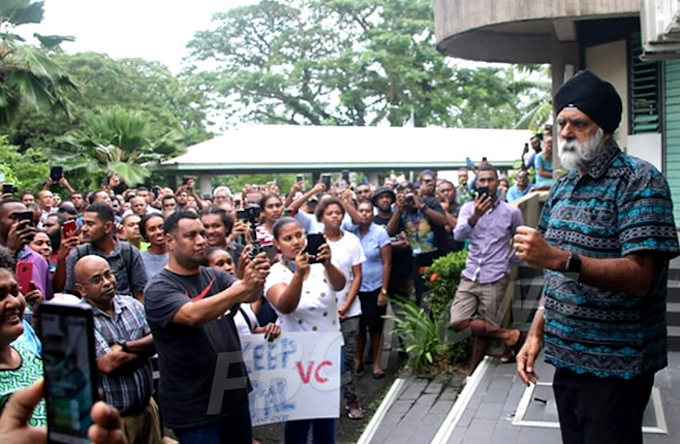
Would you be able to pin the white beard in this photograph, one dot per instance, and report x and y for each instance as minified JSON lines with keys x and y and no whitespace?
{"x":574,"y":155}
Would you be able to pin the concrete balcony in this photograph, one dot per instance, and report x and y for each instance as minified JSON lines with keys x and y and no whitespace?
{"x":519,"y":31}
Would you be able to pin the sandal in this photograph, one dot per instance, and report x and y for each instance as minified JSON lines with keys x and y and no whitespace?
{"x":511,"y":354}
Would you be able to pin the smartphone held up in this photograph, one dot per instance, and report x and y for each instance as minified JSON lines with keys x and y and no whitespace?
{"x":70,"y":369}
{"x":314,"y":241}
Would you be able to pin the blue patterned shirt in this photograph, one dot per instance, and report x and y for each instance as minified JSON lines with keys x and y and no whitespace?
{"x":621,"y":206}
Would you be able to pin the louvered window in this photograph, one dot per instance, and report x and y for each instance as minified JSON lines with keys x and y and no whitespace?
{"x":643,"y":80}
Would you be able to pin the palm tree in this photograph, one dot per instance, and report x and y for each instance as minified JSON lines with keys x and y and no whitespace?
{"x":536,"y":108}
{"x":27,"y":74}
{"x":117,"y":140}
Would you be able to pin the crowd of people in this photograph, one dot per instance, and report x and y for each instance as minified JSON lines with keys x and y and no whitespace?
{"x":161,"y":267}
{"x":170,"y":273}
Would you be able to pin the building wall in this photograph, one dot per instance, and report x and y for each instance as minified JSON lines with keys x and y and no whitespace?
{"x":672,"y":131}
{"x":609,"y":61}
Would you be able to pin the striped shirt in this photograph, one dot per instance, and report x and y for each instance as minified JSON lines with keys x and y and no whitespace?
{"x":621,"y":206}
{"x":129,"y":387}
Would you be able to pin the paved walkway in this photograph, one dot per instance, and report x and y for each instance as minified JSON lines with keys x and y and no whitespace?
{"x":495,"y":407}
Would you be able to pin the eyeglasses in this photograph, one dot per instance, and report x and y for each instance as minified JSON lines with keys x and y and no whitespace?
{"x":97,"y":279}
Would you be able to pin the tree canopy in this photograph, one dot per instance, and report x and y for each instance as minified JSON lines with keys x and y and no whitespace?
{"x":28,"y":76}
{"x":345,"y":62}
{"x":168,"y":102}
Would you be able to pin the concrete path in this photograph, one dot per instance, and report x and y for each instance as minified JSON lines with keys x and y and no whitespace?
{"x":495,"y":407}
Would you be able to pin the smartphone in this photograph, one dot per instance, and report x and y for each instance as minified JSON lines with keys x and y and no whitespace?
{"x":482,"y":191}
{"x":299,"y":178}
{"x":105,"y":182}
{"x":326,"y":179}
{"x":468,"y":162}
{"x":154,"y":191}
{"x":25,"y":276}
{"x":185,"y":180}
{"x":56,"y":173}
{"x":270,"y":250}
{"x":314,"y":241}
{"x":345,"y":176}
{"x":70,"y":369}
{"x":26,"y":215}
{"x":70,"y":228}
{"x":8,"y":188}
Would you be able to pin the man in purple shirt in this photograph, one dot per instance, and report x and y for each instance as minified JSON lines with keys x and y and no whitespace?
{"x":478,"y":304}
{"x":15,"y":235}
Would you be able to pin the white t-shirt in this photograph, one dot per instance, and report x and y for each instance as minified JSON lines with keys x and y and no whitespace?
{"x":345,"y":253}
{"x":243,"y":324}
{"x":318,"y":307}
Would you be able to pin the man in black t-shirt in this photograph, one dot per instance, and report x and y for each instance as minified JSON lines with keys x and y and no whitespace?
{"x":190,"y":308}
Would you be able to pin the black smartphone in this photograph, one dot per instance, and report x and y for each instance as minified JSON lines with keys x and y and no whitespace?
{"x":185,"y":180}
{"x":26,"y":215}
{"x":155,"y":192}
{"x":299,"y":178}
{"x":270,"y":250}
{"x":8,"y":188}
{"x":345,"y":176}
{"x":70,"y":369}
{"x":326,"y":179}
{"x":105,"y":182}
{"x":482,"y":190}
{"x":314,"y":241}
{"x":56,"y":173}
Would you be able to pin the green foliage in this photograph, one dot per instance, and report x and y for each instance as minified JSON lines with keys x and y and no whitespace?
{"x":27,"y":75}
{"x":426,"y":336}
{"x":345,"y":62}
{"x":429,"y":342}
{"x":115,"y":140}
{"x":443,"y":277}
{"x":418,"y":333}
{"x":169,"y":103}
{"x":26,"y":170}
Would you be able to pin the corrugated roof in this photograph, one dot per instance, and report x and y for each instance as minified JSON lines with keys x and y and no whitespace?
{"x":270,"y":148}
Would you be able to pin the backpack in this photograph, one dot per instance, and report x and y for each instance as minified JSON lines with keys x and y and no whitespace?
{"x":125,"y":251}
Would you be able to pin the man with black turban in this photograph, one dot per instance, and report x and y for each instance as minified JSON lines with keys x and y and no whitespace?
{"x":605,"y":237}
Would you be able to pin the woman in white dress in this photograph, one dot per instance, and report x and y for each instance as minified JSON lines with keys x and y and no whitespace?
{"x":303,"y":295}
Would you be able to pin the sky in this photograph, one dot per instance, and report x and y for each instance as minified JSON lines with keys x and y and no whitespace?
{"x":155,"y":30}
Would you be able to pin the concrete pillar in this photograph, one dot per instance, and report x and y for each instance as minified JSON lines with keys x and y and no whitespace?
{"x":205,"y":184}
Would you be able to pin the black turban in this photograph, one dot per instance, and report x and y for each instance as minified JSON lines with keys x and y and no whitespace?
{"x":595,"y":97}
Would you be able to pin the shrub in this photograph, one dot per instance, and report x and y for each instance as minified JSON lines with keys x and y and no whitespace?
{"x":431,"y":346}
{"x":443,"y":277}
{"x":418,"y":333}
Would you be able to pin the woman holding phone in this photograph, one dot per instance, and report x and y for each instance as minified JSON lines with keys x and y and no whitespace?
{"x":348,"y":257}
{"x":303,"y":294}
{"x":19,"y":367}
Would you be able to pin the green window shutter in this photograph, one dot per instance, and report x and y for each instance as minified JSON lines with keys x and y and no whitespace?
{"x":644,"y":85}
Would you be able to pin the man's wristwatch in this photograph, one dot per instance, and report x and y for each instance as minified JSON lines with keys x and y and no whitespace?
{"x":123,"y":346}
{"x":383,"y":292}
{"x":573,"y":264}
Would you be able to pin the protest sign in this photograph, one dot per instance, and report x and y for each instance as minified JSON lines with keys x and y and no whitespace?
{"x":297,"y":376}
